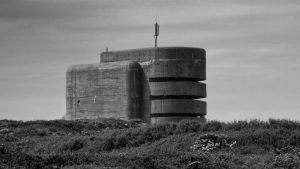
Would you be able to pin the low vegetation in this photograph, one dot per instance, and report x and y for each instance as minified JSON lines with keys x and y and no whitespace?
{"x":116,"y":144}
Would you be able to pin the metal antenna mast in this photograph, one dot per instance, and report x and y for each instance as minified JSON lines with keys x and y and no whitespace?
{"x":156,"y":26}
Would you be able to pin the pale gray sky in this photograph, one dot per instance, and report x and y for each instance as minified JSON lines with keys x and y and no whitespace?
{"x":253,"y":61}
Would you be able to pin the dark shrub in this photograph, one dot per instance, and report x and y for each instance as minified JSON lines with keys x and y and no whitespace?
{"x":186,"y":126}
{"x":251,"y":149}
{"x":289,"y":160}
{"x":105,"y":145}
{"x":74,"y":144}
{"x":213,"y":126}
{"x":284,"y":124}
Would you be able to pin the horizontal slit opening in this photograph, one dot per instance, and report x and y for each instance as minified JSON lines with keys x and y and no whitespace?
{"x":168,"y":79}
{"x":162,"y":97}
{"x":175,"y":115}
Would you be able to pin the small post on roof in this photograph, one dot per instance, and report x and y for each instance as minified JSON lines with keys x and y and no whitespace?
{"x":156,"y":27}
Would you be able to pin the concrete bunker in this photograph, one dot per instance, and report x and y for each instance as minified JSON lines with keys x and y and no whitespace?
{"x":155,"y":85}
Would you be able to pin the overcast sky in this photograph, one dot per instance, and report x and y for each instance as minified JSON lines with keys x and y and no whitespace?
{"x":253,"y":46}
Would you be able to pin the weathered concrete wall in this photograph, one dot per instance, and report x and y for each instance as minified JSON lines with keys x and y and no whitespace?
{"x":146,"y":54}
{"x":163,"y":89}
{"x":183,"y":89}
{"x":170,"y":62}
{"x":178,"y":107}
{"x":104,"y":90}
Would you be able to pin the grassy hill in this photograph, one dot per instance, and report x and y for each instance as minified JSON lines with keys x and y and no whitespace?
{"x":116,"y":144}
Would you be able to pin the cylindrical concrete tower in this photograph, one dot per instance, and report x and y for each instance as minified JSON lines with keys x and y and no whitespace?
{"x":175,"y":89}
